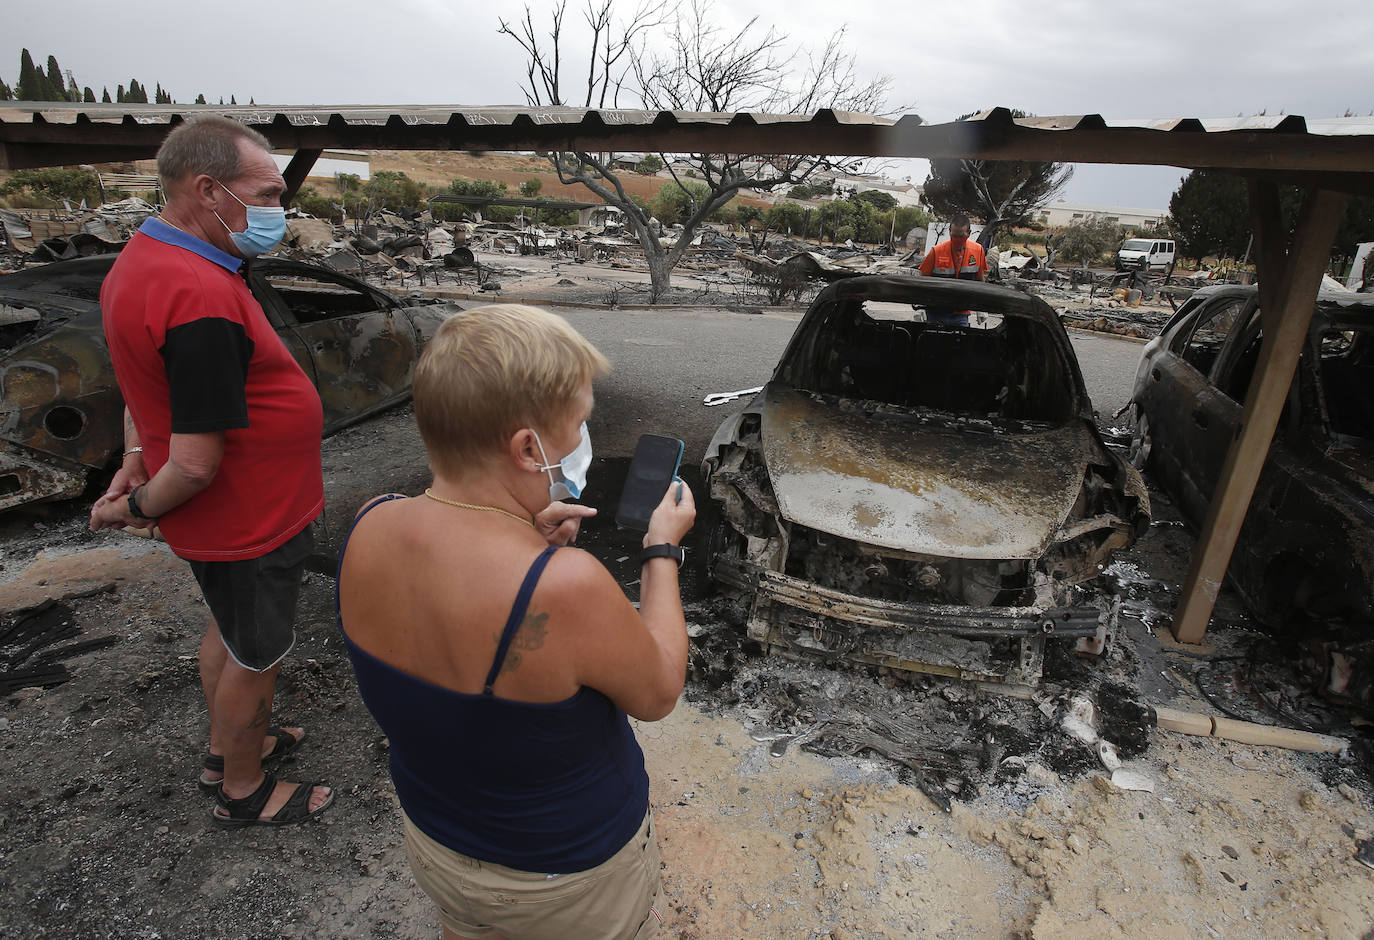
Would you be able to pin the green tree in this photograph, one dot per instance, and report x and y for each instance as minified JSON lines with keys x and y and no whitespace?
{"x":200,"y":99}
{"x":1002,"y":193}
{"x":908,"y":218}
{"x":6,"y":93}
{"x":1085,"y":240}
{"x":1210,"y":215}
{"x":56,"y":84}
{"x":322,"y":207}
{"x":786,"y":217}
{"x":876,"y":198}
{"x":87,"y":95}
{"x":137,"y":94}
{"x":676,"y":202}
{"x":650,"y":165}
{"x":814,"y":190}
{"x":394,"y":190}
{"x":160,"y":96}
{"x":105,"y":95}
{"x":53,"y":185}
{"x":1357,"y":225}
{"x":30,"y":84}
{"x":530,"y":188}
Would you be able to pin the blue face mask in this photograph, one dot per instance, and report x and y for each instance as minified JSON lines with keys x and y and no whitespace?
{"x":572,"y":469}
{"x":266,"y":228}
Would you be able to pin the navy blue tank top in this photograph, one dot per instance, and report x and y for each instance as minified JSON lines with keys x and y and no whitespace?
{"x":542,"y":787}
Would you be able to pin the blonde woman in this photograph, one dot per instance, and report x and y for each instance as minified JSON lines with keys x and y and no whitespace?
{"x":503,"y":667}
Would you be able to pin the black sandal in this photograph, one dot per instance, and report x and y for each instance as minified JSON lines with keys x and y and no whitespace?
{"x":235,"y":814}
{"x":286,"y":743}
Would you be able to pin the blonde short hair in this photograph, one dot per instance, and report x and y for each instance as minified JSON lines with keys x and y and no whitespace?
{"x":492,"y":370}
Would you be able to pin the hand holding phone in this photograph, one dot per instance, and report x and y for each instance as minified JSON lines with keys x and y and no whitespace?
{"x":673,"y":517}
{"x":652,"y":469}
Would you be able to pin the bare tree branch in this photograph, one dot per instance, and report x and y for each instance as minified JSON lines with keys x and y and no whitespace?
{"x":697,"y":66}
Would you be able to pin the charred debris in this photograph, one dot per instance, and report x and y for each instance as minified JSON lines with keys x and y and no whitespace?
{"x":948,"y":737}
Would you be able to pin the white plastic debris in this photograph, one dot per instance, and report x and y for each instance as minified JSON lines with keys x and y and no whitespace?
{"x":1078,"y":721}
{"x":1131,"y":780}
{"x":1106,"y":752}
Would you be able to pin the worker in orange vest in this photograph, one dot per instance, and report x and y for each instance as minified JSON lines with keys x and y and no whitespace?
{"x":958,"y":258}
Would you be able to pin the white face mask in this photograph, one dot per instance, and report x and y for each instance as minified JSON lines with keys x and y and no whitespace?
{"x":572,"y":469}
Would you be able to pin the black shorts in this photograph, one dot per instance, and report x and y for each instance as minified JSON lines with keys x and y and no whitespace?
{"x":254,"y":600}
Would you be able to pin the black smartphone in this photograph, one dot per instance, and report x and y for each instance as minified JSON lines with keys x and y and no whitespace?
{"x":653,"y":467}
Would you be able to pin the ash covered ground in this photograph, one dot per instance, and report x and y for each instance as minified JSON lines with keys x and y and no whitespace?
{"x":795,"y":798}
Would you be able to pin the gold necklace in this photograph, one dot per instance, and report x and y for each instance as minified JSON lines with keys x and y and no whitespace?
{"x":454,"y":502}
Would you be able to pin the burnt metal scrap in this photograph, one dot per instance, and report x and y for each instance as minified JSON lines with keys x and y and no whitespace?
{"x":29,"y":656}
{"x":921,"y":496}
{"x":61,"y":415}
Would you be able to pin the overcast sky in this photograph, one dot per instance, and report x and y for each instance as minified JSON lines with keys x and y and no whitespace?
{"x":1049,"y":57}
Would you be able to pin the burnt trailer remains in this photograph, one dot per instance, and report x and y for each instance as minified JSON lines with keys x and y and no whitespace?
{"x":920,"y":494}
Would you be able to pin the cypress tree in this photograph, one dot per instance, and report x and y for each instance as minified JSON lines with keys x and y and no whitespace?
{"x":5,"y":93}
{"x":29,"y":87}
{"x":105,"y":95}
{"x":119,"y":94}
{"x":231,"y":100}
{"x":55,"y":82}
{"x":87,"y":95}
{"x":200,"y":99}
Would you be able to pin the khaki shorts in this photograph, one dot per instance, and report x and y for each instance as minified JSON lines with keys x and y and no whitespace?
{"x":620,"y":898}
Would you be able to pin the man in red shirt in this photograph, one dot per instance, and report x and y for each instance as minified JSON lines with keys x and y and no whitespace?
{"x":957,"y":258}
{"x":222,"y":443}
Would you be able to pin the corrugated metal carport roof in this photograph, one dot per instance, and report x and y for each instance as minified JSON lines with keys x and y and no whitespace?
{"x":1341,"y":150}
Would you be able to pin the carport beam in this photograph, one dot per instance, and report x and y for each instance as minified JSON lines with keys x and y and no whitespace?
{"x":302,"y":162}
{"x":1289,"y":284}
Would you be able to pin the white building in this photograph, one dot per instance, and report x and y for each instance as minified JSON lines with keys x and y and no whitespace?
{"x":1061,"y":213}
{"x":331,"y":163}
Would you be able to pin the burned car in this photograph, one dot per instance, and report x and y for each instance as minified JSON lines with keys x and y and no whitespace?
{"x":62,"y":413}
{"x":920,"y":494}
{"x":1307,"y":543}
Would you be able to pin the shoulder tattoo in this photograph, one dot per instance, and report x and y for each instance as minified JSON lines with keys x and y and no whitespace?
{"x":529,"y":635}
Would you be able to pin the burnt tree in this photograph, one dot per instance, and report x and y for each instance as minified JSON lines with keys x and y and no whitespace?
{"x":1001,"y":193}
{"x":694,"y":66}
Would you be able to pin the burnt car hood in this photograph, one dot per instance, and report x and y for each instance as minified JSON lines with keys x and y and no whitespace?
{"x":944,"y":491}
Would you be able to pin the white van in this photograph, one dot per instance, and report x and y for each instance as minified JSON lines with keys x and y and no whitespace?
{"x":1151,"y":254}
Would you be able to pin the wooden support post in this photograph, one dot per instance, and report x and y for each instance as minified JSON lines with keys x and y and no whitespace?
{"x":1288,"y":285}
{"x":297,"y":170}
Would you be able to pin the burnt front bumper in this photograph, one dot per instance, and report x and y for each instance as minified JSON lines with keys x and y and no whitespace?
{"x":940,"y":639}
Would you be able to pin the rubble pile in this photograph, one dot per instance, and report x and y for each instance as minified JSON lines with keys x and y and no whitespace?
{"x":417,"y":252}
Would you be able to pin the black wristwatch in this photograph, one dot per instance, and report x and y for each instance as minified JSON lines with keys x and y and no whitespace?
{"x":133,"y":503}
{"x":675,"y":552}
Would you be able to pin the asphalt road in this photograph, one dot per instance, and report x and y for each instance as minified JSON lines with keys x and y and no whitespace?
{"x":665,"y":362}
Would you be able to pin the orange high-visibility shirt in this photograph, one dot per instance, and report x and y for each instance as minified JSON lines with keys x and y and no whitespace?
{"x":971,"y":264}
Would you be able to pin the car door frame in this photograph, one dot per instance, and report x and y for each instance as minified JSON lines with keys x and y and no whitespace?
{"x":380,"y":391}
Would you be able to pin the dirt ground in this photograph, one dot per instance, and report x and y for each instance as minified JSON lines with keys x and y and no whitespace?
{"x":769,"y":827}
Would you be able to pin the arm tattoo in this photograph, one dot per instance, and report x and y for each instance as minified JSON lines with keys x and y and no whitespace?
{"x":528,"y":636}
